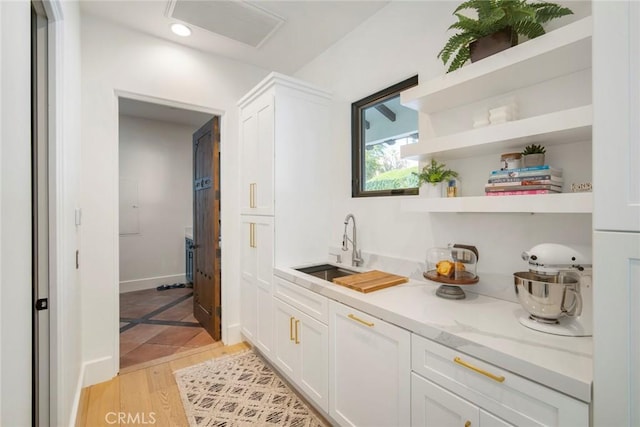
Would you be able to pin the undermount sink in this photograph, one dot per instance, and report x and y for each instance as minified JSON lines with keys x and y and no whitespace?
{"x":326,"y":272}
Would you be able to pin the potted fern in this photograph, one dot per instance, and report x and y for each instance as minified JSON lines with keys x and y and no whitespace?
{"x":496,"y":28}
{"x":432,"y":177}
{"x":533,"y":155}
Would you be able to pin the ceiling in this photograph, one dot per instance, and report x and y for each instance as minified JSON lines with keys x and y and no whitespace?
{"x":301,"y":30}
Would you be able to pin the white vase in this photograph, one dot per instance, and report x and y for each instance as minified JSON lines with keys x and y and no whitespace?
{"x":432,"y":190}
{"x":531,"y":160}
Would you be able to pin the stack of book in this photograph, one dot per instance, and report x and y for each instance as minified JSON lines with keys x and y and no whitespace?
{"x":532,"y":180}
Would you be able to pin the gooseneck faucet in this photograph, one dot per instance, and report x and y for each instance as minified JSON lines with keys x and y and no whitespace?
{"x":355,"y":253}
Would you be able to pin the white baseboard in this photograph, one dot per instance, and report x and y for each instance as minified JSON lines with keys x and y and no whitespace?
{"x":76,"y":397}
{"x":233,"y":334}
{"x":151,"y":282}
{"x":97,"y":371}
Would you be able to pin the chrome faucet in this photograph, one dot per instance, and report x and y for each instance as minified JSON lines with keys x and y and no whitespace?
{"x":355,"y":254}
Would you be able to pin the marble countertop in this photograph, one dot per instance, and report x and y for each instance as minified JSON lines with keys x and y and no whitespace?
{"x":480,"y":326}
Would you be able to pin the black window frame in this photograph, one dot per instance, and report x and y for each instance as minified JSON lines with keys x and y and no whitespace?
{"x":357,"y":145}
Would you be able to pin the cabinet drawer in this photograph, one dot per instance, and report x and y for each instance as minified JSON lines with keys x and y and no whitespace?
{"x":512,"y":397}
{"x":308,"y":302}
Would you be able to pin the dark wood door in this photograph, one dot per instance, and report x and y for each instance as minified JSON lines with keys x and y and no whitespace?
{"x":206,"y":227}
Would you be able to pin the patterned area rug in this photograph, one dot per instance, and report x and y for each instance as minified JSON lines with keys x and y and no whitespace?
{"x":240,"y":390}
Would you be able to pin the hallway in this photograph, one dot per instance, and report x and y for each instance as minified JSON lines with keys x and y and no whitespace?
{"x":155,"y":324}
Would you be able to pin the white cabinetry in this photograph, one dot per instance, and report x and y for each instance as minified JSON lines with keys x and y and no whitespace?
{"x":283,"y":133}
{"x":369,"y":367}
{"x":480,"y":391}
{"x":616,"y":150}
{"x":284,"y":129}
{"x":256,"y":280}
{"x":257,"y":142}
{"x":616,"y":337}
{"x":616,"y":240}
{"x":540,"y":61}
{"x":433,"y":406}
{"x":301,"y":348}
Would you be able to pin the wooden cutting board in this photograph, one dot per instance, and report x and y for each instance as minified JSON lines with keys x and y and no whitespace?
{"x":370,"y":281}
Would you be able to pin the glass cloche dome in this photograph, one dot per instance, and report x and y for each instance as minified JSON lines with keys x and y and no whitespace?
{"x":454,"y":265}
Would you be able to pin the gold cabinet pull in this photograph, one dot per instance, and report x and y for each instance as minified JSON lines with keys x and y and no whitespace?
{"x":255,"y":245}
{"x":467,"y":424}
{"x":478,"y":370}
{"x":296,"y":327}
{"x":291,"y":337}
{"x":252,"y":235}
{"x":252,"y":195}
{"x":357,"y":319}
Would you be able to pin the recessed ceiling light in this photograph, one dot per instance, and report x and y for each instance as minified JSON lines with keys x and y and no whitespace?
{"x":181,"y":30}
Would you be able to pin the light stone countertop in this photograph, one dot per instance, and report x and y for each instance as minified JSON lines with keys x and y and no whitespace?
{"x":480,"y":326}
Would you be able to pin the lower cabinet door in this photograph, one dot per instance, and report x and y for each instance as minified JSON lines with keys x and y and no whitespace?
{"x":433,"y":406}
{"x":285,"y":351}
{"x":370,"y":370}
{"x":490,"y":420}
{"x":264,"y":320}
{"x":301,"y":351}
{"x":313,"y":342}
{"x":248,"y":295}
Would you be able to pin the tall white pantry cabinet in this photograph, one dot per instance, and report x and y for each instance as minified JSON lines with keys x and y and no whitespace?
{"x":284,"y":127}
{"x":616,"y":217}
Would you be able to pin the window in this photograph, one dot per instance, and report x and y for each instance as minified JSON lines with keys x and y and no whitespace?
{"x":380,"y":125}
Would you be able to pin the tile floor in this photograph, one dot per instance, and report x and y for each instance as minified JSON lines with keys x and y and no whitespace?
{"x":155,"y":324}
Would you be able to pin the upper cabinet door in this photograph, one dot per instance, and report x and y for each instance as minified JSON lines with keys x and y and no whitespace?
{"x":257,"y":141}
{"x":616,"y":129}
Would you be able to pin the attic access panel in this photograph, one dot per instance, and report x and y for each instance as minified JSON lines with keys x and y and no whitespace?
{"x":235,"y":19}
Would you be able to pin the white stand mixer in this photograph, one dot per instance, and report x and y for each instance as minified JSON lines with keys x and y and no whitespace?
{"x":557,"y":291}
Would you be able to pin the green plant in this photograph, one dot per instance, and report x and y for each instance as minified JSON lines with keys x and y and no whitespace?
{"x":533,"y":149}
{"x":523,"y":17}
{"x":434,"y":172}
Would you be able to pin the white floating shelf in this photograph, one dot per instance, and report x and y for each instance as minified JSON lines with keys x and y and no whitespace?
{"x":534,"y":203}
{"x":550,"y":129}
{"x":563,"y":51}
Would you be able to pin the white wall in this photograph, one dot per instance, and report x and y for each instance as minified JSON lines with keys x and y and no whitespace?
{"x":15,"y":215}
{"x":117,"y":59}
{"x":157,"y":156}
{"x":403,"y":39}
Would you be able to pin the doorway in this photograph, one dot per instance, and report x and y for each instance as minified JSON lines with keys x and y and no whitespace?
{"x":156,"y":223}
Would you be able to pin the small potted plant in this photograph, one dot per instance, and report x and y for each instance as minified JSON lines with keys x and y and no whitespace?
{"x":496,"y":28}
{"x":533,"y":155}
{"x":432,"y":178}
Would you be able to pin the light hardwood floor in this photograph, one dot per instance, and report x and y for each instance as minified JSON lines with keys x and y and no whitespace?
{"x":145,"y":394}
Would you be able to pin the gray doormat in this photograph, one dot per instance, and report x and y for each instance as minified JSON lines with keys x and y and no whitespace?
{"x":239,"y":390}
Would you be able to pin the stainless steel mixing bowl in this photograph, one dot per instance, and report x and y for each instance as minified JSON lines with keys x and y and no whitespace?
{"x":547,"y":298}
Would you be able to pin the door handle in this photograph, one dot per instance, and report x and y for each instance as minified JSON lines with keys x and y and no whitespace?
{"x":296,"y":327}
